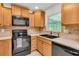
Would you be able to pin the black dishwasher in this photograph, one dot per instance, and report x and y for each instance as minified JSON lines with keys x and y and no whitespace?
{"x":61,"y":50}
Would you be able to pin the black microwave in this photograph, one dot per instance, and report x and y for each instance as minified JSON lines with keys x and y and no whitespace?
{"x":20,"y":21}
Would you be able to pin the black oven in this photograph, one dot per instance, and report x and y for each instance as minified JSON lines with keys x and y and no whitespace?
{"x":21,"y":43}
{"x":20,"y":21}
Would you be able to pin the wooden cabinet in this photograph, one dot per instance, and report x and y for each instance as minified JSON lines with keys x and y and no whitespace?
{"x":1,"y":48}
{"x":47,"y":47}
{"x":1,"y":16}
{"x":20,"y":11}
{"x":16,"y":10}
{"x":5,"y":47}
{"x":31,"y":20}
{"x":33,"y":43}
{"x":7,"y":17}
{"x":70,"y":14}
{"x":1,"y":4}
{"x":25,"y":12}
{"x":44,"y":46}
{"x":39,"y":18}
{"x":39,"y":45}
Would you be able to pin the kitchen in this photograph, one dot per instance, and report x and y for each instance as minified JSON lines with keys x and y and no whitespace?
{"x":39,"y":29}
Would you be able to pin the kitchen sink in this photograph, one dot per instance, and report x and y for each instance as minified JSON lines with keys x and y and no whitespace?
{"x":49,"y":36}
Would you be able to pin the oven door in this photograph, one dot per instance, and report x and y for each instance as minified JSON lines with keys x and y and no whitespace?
{"x":21,"y":44}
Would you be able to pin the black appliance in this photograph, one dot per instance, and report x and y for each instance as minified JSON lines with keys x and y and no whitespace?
{"x":61,"y":50}
{"x":21,"y":43}
{"x":20,"y":21}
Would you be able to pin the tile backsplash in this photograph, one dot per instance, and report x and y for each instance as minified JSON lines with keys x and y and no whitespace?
{"x":71,"y":32}
{"x":5,"y":32}
{"x":35,"y":31}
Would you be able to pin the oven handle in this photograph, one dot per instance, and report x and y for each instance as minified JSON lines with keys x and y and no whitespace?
{"x":72,"y":52}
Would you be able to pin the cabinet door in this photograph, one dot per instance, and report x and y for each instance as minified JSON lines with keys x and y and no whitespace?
{"x":33,"y":43}
{"x":25,"y":13}
{"x":42,"y":19}
{"x":1,"y":16}
{"x":31,"y":20}
{"x":7,"y":17}
{"x":16,"y":10}
{"x":7,"y":47}
{"x":47,"y":47}
{"x":39,"y":45}
{"x":47,"y":50}
{"x":39,"y":19}
{"x":2,"y":48}
{"x":70,"y":13}
{"x":0,"y":4}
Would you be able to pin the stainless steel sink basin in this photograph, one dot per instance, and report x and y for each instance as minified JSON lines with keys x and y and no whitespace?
{"x":49,"y":36}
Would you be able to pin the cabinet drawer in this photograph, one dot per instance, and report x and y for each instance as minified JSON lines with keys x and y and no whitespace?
{"x":45,"y":40}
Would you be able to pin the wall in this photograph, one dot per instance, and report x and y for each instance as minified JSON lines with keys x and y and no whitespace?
{"x":71,"y":32}
{"x":54,"y":9}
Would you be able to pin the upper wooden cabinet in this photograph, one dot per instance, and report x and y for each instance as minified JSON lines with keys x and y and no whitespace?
{"x":16,"y":10}
{"x":70,"y":14}
{"x":25,"y":12}
{"x":20,"y":11}
{"x":7,"y":17}
{"x":39,"y":17}
{"x":1,"y":4}
{"x":31,"y":20}
{"x":1,"y":16}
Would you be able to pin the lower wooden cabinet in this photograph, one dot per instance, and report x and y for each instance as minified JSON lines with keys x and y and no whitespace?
{"x":47,"y":49}
{"x":39,"y":45}
{"x":1,"y":48}
{"x":33,"y":43}
{"x":5,"y":47}
{"x":44,"y":46}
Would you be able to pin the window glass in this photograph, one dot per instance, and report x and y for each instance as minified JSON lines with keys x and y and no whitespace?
{"x":54,"y":22}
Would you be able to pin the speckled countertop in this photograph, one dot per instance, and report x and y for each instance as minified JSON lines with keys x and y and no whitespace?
{"x":66,"y":42}
{"x":5,"y":37}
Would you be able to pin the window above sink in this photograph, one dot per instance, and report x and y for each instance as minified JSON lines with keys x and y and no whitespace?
{"x":54,"y":22}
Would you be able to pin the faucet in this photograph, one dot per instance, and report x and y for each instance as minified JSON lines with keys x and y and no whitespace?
{"x":58,"y":34}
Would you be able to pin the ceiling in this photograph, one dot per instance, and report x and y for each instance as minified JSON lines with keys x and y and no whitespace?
{"x":43,"y":6}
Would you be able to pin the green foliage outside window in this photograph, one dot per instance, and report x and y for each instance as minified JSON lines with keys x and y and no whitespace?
{"x":54,"y":22}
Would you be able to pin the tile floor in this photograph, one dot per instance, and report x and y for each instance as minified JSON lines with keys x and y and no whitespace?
{"x":34,"y":53}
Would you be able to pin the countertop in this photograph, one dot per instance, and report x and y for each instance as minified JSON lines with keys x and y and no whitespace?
{"x":5,"y":37}
{"x":66,"y":42}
